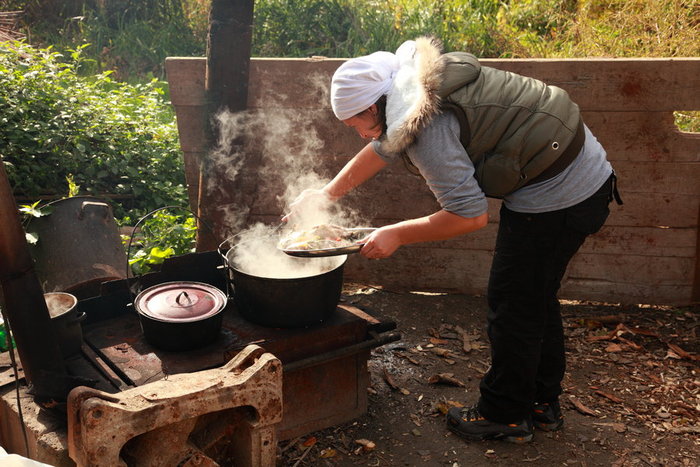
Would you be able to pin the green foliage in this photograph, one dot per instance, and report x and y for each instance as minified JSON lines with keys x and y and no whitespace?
{"x":160,"y":236}
{"x":69,"y":123}
{"x":335,"y":28}
{"x":33,"y":211}
{"x":129,"y":37}
{"x":610,"y":28}
{"x":6,"y":339}
{"x":688,"y":121}
{"x":59,"y":130}
{"x":300,"y":27}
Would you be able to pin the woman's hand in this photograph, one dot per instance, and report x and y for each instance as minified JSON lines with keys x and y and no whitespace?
{"x":381,"y":243}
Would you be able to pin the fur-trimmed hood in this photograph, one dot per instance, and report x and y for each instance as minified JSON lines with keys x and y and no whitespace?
{"x":413,"y":100}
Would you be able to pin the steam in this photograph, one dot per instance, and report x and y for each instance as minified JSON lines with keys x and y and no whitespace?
{"x":255,"y":252}
{"x":265,"y":157}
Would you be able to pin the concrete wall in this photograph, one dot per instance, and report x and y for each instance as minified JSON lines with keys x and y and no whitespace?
{"x":647,"y":252}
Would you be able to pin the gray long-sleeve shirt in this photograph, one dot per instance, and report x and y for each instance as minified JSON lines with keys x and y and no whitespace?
{"x":447,"y":169}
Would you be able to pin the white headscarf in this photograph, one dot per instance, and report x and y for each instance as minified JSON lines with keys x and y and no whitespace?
{"x":360,"y":82}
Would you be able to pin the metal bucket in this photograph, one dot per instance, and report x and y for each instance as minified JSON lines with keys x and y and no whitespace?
{"x":78,"y":247}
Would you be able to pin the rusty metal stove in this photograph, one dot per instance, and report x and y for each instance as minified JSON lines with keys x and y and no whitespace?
{"x":324,"y":368}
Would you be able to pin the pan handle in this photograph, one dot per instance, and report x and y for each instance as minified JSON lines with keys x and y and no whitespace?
{"x":140,"y":221}
{"x":230,"y":289}
{"x":374,"y":341}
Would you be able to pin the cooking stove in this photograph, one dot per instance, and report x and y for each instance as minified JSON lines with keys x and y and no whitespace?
{"x":318,"y":373}
{"x":325,"y":376}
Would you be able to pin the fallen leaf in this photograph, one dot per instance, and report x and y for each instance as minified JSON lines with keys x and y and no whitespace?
{"x":608,"y":319}
{"x":328,"y":453}
{"x":441,"y":352}
{"x":446,"y":378}
{"x":578,"y":405}
{"x":682,"y":353}
{"x":643,"y":332}
{"x":631,"y":344}
{"x":686,"y":429}
{"x":404,"y":391}
{"x":416,"y":419}
{"x":444,"y":406}
{"x":606,"y":337}
{"x":389,"y":380}
{"x":309,"y":442}
{"x":437,"y":341}
{"x":366,"y":444}
{"x":607,"y":395}
{"x":613,"y":347}
{"x":469,"y":341}
{"x":654,"y":378}
{"x":409,"y":358}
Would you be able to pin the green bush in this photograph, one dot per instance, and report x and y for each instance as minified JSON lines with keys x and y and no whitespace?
{"x":159,"y":235}
{"x":129,"y":37}
{"x":107,"y":137}
{"x":335,"y":28}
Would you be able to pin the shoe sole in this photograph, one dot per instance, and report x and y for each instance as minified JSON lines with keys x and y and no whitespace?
{"x":556,"y":426}
{"x":499,"y":437}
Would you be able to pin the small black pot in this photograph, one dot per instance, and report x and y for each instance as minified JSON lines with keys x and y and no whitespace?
{"x":179,"y":316}
{"x":287,"y":303}
{"x":66,"y":319}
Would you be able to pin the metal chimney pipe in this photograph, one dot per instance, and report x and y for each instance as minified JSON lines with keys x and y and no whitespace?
{"x":24,"y":304}
{"x":226,"y":84}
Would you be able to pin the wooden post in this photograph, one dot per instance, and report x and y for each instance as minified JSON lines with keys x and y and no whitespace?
{"x":228,"y":62}
{"x":24,"y":305}
{"x":695,"y":294}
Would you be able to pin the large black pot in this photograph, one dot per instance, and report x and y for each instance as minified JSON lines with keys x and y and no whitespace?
{"x":179,"y":316}
{"x":288,"y":302}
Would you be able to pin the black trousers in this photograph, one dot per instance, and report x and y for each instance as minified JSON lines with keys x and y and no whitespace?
{"x":524,"y":320}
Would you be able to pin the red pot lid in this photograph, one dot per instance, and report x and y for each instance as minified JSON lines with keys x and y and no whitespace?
{"x":180,"y":301}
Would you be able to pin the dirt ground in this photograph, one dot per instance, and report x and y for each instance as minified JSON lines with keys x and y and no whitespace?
{"x":631,"y":392}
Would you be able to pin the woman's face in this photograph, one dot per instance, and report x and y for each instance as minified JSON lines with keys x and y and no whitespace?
{"x":367,"y":124}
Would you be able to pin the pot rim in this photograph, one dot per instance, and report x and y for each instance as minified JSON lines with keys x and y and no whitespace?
{"x":342,"y":260}
{"x":60,"y":303}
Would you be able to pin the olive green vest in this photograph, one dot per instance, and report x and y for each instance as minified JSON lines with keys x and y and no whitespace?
{"x":517,"y":130}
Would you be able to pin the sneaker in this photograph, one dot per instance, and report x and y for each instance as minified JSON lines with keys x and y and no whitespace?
{"x":470,"y":424}
{"x":547,"y":416}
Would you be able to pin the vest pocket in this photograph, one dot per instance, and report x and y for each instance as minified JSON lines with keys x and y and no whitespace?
{"x":497,"y":174}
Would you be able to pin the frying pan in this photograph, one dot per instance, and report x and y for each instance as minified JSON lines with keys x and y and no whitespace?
{"x":359,"y":232}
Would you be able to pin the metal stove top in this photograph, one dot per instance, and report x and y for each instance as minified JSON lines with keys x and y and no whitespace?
{"x":115,"y":346}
